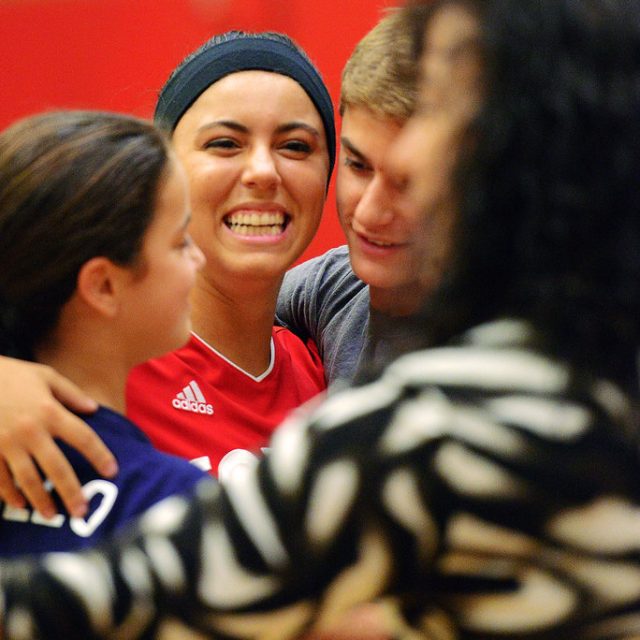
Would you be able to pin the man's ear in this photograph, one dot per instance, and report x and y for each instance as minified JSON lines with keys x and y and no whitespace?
{"x":99,"y":284}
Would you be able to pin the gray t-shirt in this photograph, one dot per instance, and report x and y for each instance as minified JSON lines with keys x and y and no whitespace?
{"x":324,"y":300}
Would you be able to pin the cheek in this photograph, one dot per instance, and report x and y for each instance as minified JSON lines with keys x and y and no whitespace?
{"x":312,"y":217}
{"x":307,"y":186}
{"x":181,"y":277}
{"x":209,"y":181}
{"x":349,"y":191}
{"x":203,"y":233}
{"x":415,"y":221}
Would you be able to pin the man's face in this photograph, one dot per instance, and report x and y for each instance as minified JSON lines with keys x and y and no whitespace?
{"x":384,"y":233}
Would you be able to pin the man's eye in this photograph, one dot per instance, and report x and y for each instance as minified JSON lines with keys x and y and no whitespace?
{"x":356,"y":165}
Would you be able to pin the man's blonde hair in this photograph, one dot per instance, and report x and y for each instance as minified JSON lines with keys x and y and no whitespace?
{"x":381,"y":72}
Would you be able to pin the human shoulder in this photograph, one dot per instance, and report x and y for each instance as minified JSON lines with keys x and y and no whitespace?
{"x":328,"y":271}
{"x":316,"y":292}
{"x":303,"y":352}
{"x":335,"y":258}
{"x":132,"y":446}
{"x":146,"y":476}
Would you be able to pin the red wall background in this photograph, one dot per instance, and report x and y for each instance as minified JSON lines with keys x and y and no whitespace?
{"x":116,"y":54}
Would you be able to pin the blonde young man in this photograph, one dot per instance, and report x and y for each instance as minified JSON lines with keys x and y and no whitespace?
{"x":360,"y":302}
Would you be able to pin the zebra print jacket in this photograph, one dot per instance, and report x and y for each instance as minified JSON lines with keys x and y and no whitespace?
{"x":490,"y":488}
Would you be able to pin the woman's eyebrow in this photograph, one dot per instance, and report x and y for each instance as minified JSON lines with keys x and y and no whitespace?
{"x":297,"y":124}
{"x":229,"y":124}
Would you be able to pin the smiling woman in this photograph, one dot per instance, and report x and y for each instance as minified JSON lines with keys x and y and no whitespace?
{"x":258,"y":178}
{"x":253,"y":125}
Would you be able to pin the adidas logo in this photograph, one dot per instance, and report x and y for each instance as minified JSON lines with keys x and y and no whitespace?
{"x":192,"y":399}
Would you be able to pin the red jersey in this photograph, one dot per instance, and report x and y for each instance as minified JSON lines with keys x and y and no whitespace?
{"x":195,"y":403}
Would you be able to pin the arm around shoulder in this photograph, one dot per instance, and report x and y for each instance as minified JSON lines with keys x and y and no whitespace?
{"x":33,"y":411}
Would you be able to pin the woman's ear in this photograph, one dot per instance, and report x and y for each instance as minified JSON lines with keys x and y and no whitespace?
{"x":98,"y":285}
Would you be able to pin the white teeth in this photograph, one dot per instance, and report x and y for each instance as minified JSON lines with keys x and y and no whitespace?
{"x":263,"y":230}
{"x":256,"y":219}
{"x":257,"y":224}
{"x":381,"y":244}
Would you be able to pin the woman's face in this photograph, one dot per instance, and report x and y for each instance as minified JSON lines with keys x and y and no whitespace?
{"x":256,"y":157}
{"x":159,"y":291}
{"x":427,"y":149}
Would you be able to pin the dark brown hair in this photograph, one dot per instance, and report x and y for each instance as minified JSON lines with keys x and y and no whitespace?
{"x":73,"y":185}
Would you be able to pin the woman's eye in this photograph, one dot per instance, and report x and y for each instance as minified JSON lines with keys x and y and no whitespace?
{"x":221,"y":143}
{"x":297,"y":146}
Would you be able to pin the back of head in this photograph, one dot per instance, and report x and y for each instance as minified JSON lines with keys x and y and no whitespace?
{"x":549,"y":178}
{"x":73,"y":185}
{"x":381,"y":72}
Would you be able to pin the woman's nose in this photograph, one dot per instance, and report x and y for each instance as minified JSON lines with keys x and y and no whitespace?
{"x":261,"y":170}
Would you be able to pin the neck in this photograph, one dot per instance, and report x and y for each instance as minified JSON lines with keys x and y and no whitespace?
{"x":89,"y":349}
{"x":97,"y":371}
{"x":399,"y":302}
{"x":236,"y":321}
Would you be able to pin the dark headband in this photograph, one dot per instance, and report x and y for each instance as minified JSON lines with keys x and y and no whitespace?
{"x":244,"y":54}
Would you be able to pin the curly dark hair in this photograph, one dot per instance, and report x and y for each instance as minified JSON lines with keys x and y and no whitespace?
{"x":549,"y":179}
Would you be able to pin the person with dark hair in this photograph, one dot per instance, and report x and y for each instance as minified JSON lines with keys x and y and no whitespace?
{"x":489,"y":482}
{"x":93,"y":216}
{"x":357,"y":324}
{"x":252,"y":122}
{"x":358,"y":304}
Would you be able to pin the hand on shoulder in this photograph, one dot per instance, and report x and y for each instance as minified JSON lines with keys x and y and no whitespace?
{"x":36,"y":405}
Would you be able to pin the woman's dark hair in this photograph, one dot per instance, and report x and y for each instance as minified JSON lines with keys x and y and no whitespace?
{"x":549,"y":179}
{"x":73,"y":185}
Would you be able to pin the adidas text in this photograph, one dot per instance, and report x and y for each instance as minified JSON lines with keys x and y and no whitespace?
{"x":192,"y":399}
{"x":193,"y":406}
